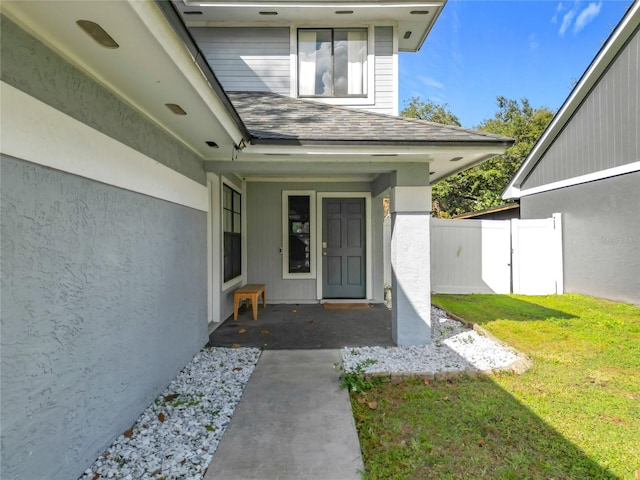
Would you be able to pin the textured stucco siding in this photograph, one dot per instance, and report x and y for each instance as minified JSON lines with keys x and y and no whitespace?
{"x":264,"y":239}
{"x":103,"y":302}
{"x":600,"y":235}
{"x":103,"y":290}
{"x":32,"y":67}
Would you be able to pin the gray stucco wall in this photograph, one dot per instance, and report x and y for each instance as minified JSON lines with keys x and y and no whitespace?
{"x":601,"y":235}
{"x":103,"y":290}
{"x":103,"y":302}
{"x":264,"y":239}
{"x":32,"y":67}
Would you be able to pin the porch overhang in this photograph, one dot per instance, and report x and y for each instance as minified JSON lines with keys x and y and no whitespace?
{"x":298,"y":137}
{"x":366,"y":161}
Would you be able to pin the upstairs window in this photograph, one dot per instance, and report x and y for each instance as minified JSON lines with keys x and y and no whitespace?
{"x":332,"y":62}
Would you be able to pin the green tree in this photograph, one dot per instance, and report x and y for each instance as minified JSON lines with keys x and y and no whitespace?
{"x":481,"y":187}
{"x":433,"y":112}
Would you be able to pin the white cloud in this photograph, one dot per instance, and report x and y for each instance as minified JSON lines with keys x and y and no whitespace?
{"x":533,"y":42}
{"x":587,"y":15}
{"x":559,"y":9}
{"x":566,"y":20}
{"x":431,"y":82}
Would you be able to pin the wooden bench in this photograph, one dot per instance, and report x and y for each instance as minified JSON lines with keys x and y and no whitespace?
{"x":250,"y":293}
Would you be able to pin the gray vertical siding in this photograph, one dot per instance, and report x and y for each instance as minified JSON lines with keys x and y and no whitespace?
{"x":67,"y":89}
{"x":248,"y":59}
{"x":264,"y":239}
{"x":103,"y":290}
{"x":601,"y":235}
{"x":603,"y":133}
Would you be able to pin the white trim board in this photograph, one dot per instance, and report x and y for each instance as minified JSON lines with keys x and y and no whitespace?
{"x":38,"y":133}
{"x":368,"y":234}
{"x":596,"y":70}
{"x":285,"y":234}
{"x":569,"y":182}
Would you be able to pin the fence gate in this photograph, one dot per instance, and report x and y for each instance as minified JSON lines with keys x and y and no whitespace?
{"x":496,"y":256}
{"x":537,"y":256}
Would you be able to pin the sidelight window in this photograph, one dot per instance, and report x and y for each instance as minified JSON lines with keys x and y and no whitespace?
{"x":298,"y":252}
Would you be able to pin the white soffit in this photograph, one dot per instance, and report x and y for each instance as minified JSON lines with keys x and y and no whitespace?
{"x":300,"y":12}
{"x":150,"y":68}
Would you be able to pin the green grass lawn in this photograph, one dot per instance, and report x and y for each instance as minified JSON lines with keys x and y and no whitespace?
{"x":574,"y":415}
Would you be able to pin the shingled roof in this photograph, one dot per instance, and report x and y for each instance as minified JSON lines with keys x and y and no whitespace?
{"x":276,"y":119}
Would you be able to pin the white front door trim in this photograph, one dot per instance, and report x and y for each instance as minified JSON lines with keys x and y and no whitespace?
{"x":368,"y":235}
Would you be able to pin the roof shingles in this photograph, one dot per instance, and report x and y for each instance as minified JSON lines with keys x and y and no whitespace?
{"x":273,"y":118}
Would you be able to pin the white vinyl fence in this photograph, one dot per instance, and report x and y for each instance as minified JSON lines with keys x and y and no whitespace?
{"x":497,"y":256}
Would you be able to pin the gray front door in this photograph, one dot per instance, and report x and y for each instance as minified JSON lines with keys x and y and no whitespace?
{"x":343,"y":248}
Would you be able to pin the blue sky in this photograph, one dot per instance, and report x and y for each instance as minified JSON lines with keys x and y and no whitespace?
{"x":479,"y":49}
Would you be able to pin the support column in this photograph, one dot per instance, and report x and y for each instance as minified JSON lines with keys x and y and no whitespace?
{"x":411,"y":260}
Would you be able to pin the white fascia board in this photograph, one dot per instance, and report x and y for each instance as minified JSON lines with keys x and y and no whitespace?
{"x":590,"y":177}
{"x":150,"y":14}
{"x":589,"y":79}
{"x":366,"y":150}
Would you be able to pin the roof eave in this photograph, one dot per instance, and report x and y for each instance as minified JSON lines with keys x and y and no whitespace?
{"x":175,"y":22}
{"x":587,"y":82}
{"x":497,"y":144}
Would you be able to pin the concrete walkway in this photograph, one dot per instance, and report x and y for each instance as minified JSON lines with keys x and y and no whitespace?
{"x":293,"y":422}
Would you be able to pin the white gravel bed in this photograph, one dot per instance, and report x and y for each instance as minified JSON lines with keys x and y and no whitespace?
{"x":454,"y":348}
{"x":176,"y":437}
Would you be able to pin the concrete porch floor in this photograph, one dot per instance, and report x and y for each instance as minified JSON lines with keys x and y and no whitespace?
{"x":302,"y":327}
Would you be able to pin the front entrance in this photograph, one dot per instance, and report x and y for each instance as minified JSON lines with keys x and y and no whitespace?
{"x":343,"y":248}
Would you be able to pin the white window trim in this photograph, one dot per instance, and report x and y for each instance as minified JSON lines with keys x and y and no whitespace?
{"x":396,"y":75}
{"x":368,"y":235}
{"x":285,"y":234}
{"x":369,"y":99}
{"x":240,"y":280}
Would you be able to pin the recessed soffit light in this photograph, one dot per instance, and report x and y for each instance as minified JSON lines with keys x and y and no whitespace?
{"x":211,"y":143}
{"x":98,"y":33}
{"x":455,"y":159}
{"x":192,"y":12}
{"x":419,"y":12}
{"x":268,"y":13}
{"x":175,"y":108}
{"x":344,"y":12}
{"x":432,"y":173}
{"x":407,"y":34}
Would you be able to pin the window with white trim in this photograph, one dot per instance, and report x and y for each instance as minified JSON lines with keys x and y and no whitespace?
{"x":332,"y":62}
{"x":298,"y":234}
{"x":232,"y":228}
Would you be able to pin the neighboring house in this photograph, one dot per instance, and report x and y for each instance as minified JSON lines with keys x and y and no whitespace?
{"x":586,"y":166}
{"x":503,"y":212}
{"x":139,"y":190}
